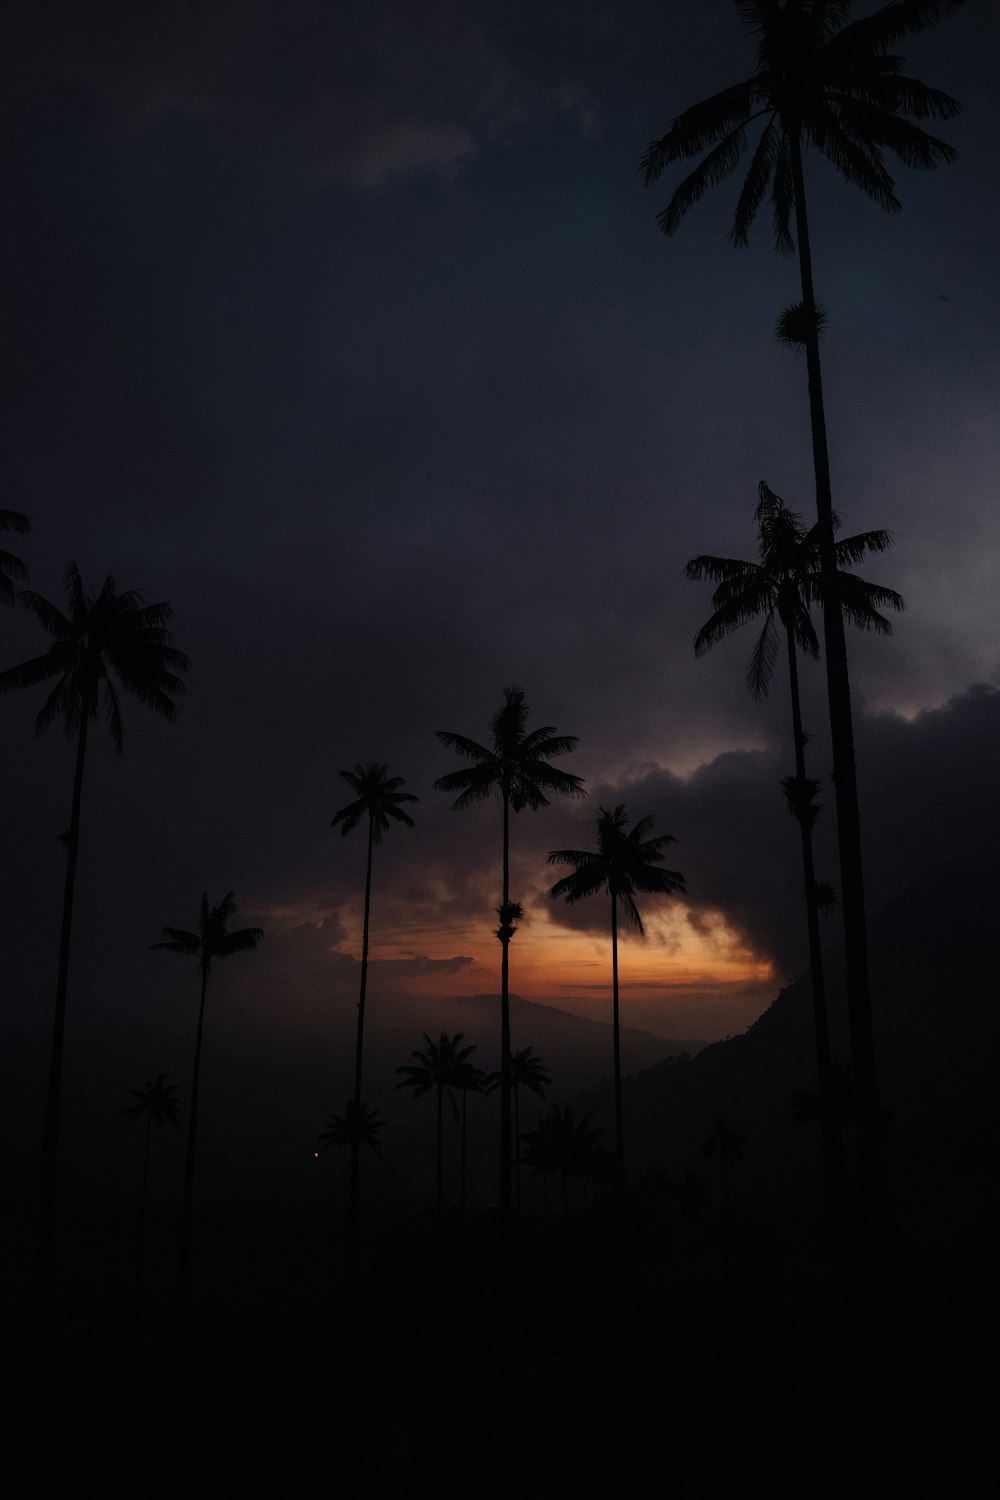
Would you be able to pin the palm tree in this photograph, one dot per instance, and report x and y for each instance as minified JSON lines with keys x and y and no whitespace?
{"x":528,"y":1071}
{"x":839,"y":87}
{"x":780,"y":588}
{"x":378,"y":799}
{"x":563,"y":1143}
{"x":157,"y":1101}
{"x":728,"y":1144}
{"x":211,"y":941}
{"x":443,"y":1067}
{"x":468,"y":1080}
{"x":11,"y":567}
{"x":626,"y":861}
{"x":513,"y":767}
{"x":359,"y":1125}
{"x":101,"y":637}
{"x":692,"y":1193}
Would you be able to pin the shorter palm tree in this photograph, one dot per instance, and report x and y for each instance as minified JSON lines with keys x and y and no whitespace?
{"x":728,"y":1146}
{"x":526,"y":1071}
{"x":359,"y":1125}
{"x":158,"y":1103}
{"x":625,"y":861}
{"x":692,"y":1195}
{"x":563,"y":1143}
{"x":514,"y":767}
{"x":377,"y":799}
{"x":211,"y":941}
{"x":11,"y":567}
{"x":444,"y":1069}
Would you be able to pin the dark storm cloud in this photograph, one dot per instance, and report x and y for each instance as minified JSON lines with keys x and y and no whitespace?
{"x":929,"y":801}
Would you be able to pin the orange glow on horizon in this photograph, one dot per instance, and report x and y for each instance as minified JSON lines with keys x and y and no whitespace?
{"x":548,"y":960}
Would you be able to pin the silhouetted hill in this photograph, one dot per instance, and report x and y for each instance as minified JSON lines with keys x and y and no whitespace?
{"x":937,"y":1029}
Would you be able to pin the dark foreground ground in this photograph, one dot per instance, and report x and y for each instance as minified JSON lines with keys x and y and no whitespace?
{"x":571,"y":1359}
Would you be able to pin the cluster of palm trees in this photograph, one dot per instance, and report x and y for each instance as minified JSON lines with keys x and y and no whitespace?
{"x":837,"y":86}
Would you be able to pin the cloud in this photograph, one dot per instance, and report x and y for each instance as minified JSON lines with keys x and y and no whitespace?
{"x":419,"y":963}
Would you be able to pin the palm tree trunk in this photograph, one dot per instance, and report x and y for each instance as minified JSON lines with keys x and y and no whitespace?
{"x":505,"y":1024}
{"x":465,"y":1096}
{"x":50,"y":1134}
{"x":619,"y":1131}
{"x":352,"y":1212}
{"x":842,"y":735}
{"x":183,"y":1267}
{"x":517,"y":1146}
{"x":832,"y":1138}
{"x":440,"y":1158}
{"x":141,"y":1247}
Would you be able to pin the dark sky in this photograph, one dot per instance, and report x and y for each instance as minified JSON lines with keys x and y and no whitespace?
{"x":347,"y":328}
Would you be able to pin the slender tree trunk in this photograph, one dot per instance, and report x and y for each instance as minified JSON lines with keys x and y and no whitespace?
{"x":183,"y":1264}
{"x":505,"y":1023}
{"x":50,"y":1134}
{"x":141,"y":1247}
{"x":832,"y":1138}
{"x":619,"y":1130}
{"x":465,"y":1096}
{"x":842,"y":735}
{"x":517,"y":1145}
{"x":440,"y":1157}
{"x":352,"y":1212}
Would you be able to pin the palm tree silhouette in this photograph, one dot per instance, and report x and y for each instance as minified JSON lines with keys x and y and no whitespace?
{"x":692,"y":1193}
{"x":211,"y":941}
{"x":109,"y":635}
{"x":526,"y":1071}
{"x":443,"y":1067}
{"x":358,"y":1126}
{"x":658,"y":1188}
{"x":11,"y":567}
{"x":468,"y":1080}
{"x":625,"y":861}
{"x":158,"y":1102}
{"x":780,"y":587}
{"x":378,"y":799}
{"x":820,"y":81}
{"x":563,"y":1143}
{"x":728,"y":1145}
{"x":513,"y":767}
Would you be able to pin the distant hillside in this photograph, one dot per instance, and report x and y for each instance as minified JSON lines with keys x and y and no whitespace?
{"x":937,"y":1030}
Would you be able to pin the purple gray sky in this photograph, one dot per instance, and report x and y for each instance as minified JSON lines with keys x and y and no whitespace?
{"x":348,"y":329}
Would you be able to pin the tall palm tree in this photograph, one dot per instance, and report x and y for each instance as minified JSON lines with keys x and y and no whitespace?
{"x":442,"y":1067}
{"x":824,"y":81}
{"x":513,"y":767}
{"x":780,"y":588}
{"x":103,"y":637}
{"x":625,"y":862}
{"x":211,"y":941}
{"x":11,"y":567}
{"x":377,"y":800}
{"x":527,"y":1070}
{"x":158,"y":1102}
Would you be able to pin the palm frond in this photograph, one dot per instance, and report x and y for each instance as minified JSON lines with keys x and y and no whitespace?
{"x":716,"y":166}
{"x":760,"y":667}
{"x":755,"y":183}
